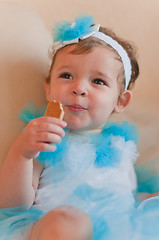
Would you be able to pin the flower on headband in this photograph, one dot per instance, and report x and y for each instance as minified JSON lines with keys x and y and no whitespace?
{"x":66,"y":31}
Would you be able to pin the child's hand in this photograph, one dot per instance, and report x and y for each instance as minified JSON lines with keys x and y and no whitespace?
{"x":40,"y":134}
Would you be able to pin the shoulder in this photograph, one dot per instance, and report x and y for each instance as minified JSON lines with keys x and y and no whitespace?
{"x":117,"y":143}
{"x":125,"y":130}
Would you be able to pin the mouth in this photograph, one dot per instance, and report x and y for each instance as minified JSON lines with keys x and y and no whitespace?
{"x":76,"y":108}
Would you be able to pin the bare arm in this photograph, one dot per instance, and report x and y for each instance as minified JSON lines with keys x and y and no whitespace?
{"x":18,"y":181}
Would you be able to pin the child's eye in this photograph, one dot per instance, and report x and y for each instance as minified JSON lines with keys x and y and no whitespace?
{"x":66,"y":75}
{"x":98,"y":81}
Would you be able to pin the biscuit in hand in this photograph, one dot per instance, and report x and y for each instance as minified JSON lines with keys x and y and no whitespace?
{"x":54,"y":109}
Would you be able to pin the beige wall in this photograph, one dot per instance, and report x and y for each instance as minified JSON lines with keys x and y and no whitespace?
{"x":135,"y":20}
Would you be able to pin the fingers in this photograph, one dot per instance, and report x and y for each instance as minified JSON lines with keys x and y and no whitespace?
{"x":45,"y":147}
{"x":53,"y":120}
{"x":46,"y":130}
{"x":48,"y":137}
{"x":49,"y":125}
{"x":41,"y":134}
{"x":50,"y":128}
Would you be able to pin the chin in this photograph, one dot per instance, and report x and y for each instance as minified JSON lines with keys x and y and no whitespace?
{"x":74,"y":123}
{"x":75,"y":127}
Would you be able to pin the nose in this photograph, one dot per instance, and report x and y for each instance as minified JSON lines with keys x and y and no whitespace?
{"x":80,"y":93}
{"x":79,"y":89}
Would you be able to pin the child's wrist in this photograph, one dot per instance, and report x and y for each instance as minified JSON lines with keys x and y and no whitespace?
{"x":18,"y":153}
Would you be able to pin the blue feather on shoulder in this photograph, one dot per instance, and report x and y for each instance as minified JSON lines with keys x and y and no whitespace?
{"x":126,"y":130}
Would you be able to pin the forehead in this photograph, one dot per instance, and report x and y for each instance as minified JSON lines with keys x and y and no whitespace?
{"x":99,"y":57}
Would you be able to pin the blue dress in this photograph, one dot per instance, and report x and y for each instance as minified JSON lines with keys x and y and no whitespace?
{"x":104,"y":186}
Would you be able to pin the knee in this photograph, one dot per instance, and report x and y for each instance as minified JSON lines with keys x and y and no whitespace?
{"x":66,"y":222}
{"x":73,"y":221}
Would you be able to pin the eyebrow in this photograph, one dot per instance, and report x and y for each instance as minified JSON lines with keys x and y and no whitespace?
{"x":63,"y":66}
{"x":102,"y":75}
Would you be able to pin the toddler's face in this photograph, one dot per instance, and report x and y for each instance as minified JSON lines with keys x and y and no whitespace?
{"x":87,"y":85}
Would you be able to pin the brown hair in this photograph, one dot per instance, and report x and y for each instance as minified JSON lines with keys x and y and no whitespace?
{"x":86,"y":46}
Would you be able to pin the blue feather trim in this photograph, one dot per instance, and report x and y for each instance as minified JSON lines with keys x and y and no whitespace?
{"x":12,"y":220}
{"x":66,"y":31}
{"x":126,"y":130}
{"x":30,"y":112}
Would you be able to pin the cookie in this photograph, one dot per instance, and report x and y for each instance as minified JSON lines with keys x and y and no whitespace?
{"x":54,"y":109}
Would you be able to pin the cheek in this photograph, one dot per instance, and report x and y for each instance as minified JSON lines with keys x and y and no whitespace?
{"x":104,"y":106}
{"x":53,"y":92}
{"x":56,"y":96}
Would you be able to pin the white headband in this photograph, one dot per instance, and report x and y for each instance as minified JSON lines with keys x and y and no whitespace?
{"x":114,"y":44}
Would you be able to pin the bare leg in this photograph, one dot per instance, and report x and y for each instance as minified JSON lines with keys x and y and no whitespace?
{"x":63,"y":223}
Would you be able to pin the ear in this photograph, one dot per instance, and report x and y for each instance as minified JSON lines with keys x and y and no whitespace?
{"x":123,"y":101}
{"x":47,"y":91}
